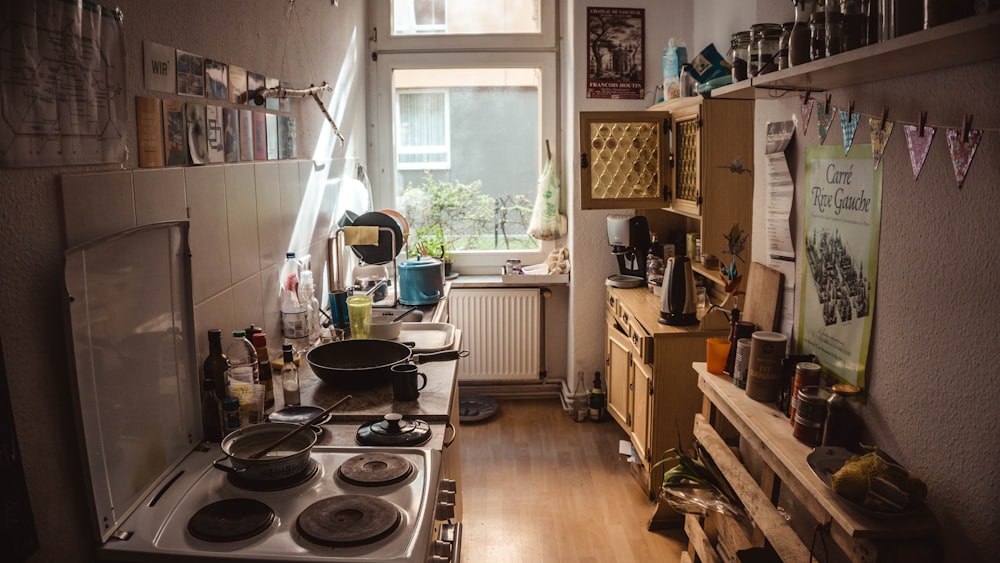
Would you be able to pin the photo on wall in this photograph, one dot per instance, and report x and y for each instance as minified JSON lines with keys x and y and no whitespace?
{"x":231,"y":134}
{"x":237,"y":84}
{"x":213,"y":121}
{"x":246,"y":135}
{"x":190,"y":74}
{"x":616,"y":47}
{"x":197,"y":132}
{"x":174,"y":133}
{"x":149,"y":131}
{"x":217,"y":80}
{"x":158,"y":67}
{"x":255,"y":83}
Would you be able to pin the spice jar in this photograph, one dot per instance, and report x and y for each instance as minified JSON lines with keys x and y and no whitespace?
{"x":767,"y":49}
{"x":817,"y":36}
{"x":740,"y":55}
{"x":798,"y":41}
{"x":811,"y":415}
{"x":843,"y":421}
{"x":782,"y":57}
{"x":806,"y":375}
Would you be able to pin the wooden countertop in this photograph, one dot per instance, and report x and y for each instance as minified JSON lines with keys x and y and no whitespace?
{"x":646,"y":307}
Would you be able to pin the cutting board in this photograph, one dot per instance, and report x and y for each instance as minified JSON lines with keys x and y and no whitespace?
{"x":762,"y":303}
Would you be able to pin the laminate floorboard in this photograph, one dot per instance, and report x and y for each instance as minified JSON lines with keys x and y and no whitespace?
{"x":538,"y":487}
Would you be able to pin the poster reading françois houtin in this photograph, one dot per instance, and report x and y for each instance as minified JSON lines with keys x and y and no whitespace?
{"x":842,"y":212}
{"x":615,"y":51}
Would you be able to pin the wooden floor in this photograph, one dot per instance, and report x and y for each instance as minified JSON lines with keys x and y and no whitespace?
{"x":538,"y":487}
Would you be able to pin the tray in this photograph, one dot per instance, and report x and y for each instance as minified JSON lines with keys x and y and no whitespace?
{"x":827,"y":460}
{"x":428,"y":337}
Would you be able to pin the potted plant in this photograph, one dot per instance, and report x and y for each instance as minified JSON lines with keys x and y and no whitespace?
{"x":430,"y":242}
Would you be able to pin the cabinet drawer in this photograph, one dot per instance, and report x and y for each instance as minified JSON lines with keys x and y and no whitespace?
{"x":642,"y":342}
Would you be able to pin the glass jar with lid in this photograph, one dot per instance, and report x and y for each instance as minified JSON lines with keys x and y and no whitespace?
{"x":834,"y":26}
{"x":798,"y":41}
{"x":782,"y":57}
{"x":739,"y":52}
{"x":817,"y":36}
{"x":763,"y":41}
{"x":854,"y":30}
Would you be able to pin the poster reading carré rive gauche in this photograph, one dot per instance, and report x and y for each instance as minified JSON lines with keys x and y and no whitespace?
{"x":842,"y":213}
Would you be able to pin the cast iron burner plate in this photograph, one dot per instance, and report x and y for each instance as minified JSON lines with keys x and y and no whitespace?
{"x":348,"y":520}
{"x":375,"y":469}
{"x":230,"y":520}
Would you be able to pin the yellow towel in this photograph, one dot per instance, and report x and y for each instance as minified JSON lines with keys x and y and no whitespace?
{"x":354,"y":236}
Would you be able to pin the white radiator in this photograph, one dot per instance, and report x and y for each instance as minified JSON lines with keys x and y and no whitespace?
{"x":501,"y":329}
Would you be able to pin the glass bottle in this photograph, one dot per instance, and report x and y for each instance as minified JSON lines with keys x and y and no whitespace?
{"x":213,"y":387}
{"x":817,"y":36}
{"x":767,"y":48}
{"x":740,"y":45}
{"x":598,"y":401}
{"x":834,"y":27}
{"x":854,"y":31}
{"x":266,"y":378}
{"x":798,"y":40}
{"x":786,"y":34}
{"x":290,"y":378}
{"x":843,"y":421}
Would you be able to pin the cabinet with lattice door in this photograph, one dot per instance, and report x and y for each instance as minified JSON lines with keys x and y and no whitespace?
{"x":692,"y":157}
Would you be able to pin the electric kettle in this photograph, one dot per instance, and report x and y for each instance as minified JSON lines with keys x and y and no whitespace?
{"x":678,"y":307}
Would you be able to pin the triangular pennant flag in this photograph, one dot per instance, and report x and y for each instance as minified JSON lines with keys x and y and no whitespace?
{"x":918,"y":145}
{"x":848,"y":124}
{"x":962,"y":152}
{"x":824,"y":118}
{"x":806,"y":111}
{"x":879,"y":139}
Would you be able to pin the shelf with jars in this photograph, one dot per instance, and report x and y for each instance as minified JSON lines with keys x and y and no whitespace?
{"x":952,"y":44}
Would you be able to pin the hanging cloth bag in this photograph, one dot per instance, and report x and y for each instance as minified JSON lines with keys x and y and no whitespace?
{"x":546,"y":222}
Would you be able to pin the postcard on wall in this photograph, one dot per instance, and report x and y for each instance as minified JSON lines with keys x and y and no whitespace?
{"x":158,"y":67}
{"x":842,"y":214}
{"x":217,"y":80}
{"x":286,"y":137}
{"x":231,"y":134}
{"x":197,"y":133}
{"x":237,"y":84}
{"x":271,"y":103}
{"x":272,"y":136}
{"x":246,"y":135}
{"x":259,"y":136}
{"x":149,"y":131}
{"x":616,"y":48}
{"x":174,"y":133}
{"x":213,"y":121}
{"x":255,"y":83}
{"x":190,"y":74}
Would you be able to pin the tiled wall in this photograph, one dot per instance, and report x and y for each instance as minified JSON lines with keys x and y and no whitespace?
{"x":243,"y":217}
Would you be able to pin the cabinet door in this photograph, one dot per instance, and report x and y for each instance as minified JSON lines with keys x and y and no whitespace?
{"x":624,"y":159}
{"x":687,"y":160}
{"x":642,"y":377}
{"x":618,"y":376}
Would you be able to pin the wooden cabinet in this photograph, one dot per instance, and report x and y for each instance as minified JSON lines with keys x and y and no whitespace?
{"x":652,"y":390}
{"x":783,"y":478}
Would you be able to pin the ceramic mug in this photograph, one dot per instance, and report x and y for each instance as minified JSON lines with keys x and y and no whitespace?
{"x":404,"y":382}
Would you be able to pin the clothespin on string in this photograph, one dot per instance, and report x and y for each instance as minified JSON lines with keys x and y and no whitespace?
{"x":850,"y":111}
{"x":922,"y":123}
{"x":885,"y":115}
{"x":548,"y":150}
{"x":828,"y":96}
{"x":966,"y":125}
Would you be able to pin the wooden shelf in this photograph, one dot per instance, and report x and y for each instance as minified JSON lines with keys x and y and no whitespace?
{"x":966,"y":41}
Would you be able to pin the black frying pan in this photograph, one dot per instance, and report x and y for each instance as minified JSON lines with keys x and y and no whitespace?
{"x":367,"y":363}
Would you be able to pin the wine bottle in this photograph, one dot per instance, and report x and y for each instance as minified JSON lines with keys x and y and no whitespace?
{"x":213,"y":388}
{"x":598,"y":400}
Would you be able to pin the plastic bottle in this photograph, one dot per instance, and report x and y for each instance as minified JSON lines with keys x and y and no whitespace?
{"x":264,"y":369}
{"x":290,"y":378}
{"x":213,"y":387}
{"x":307,"y":297}
{"x":242,"y":359}
{"x":293,"y":312}
{"x":598,"y":400}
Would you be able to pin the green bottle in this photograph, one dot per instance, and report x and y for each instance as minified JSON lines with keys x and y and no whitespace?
{"x":598,"y":400}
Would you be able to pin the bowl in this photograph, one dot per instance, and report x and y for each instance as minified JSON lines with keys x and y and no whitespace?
{"x":384,"y":328}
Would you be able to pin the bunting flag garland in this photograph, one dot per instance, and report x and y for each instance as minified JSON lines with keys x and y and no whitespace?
{"x":962,"y":151}
{"x":880,"y":137}
{"x":919,"y":143}
{"x":849,"y":125}
{"x":824,"y":118}
{"x":806,"y":111}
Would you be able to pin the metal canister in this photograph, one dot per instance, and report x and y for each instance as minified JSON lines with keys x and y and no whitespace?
{"x":513,"y":267}
{"x":806,"y":375}
{"x":810,"y":415}
{"x":740,"y":364}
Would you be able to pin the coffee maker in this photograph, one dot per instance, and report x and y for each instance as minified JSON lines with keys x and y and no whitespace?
{"x":629,"y":240}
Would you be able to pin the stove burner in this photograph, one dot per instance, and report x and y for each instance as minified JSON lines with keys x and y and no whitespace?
{"x":306,"y":474}
{"x":375,"y":469}
{"x":230,"y":520}
{"x":348,"y":520}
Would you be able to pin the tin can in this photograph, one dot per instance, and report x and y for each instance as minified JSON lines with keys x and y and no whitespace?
{"x":806,"y":375}
{"x":767,"y":349}
{"x":513,"y":267}
{"x":740,"y":363}
{"x":810,"y":416}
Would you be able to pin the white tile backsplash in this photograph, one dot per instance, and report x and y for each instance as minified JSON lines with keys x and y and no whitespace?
{"x":243,"y":217}
{"x":96,"y":205}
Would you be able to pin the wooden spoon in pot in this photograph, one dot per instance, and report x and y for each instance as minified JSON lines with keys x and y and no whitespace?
{"x":301,"y":427}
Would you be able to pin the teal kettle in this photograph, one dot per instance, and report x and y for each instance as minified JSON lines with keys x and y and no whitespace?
{"x":421,"y":281}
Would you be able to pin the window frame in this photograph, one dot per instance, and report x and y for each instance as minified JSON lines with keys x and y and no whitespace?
{"x":536,"y":51}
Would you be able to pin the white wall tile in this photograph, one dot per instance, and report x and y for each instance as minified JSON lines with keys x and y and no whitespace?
{"x":271,"y":307}
{"x":272,"y":244}
{"x":241,"y":211}
{"x":205,"y":187}
{"x":96,"y":205}
{"x":159,"y":195}
{"x":294,"y":233}
{"x":247,"y":303}
{"x":215,"y":312}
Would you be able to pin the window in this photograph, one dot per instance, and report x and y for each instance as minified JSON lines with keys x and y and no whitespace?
{"x":423,"y":128}
{"x":462,"y":113}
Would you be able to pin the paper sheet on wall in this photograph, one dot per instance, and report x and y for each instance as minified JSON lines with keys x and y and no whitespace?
{"x":62,"y":75}
{"x":780,"y":197}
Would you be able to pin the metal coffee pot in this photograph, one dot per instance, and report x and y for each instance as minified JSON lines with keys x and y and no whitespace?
{"x":678,"y":307}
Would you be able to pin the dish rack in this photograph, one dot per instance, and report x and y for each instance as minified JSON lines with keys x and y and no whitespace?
{"x":335,"y":270}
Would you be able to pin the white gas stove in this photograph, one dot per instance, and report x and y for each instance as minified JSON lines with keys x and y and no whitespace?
{"x":351,"y":504}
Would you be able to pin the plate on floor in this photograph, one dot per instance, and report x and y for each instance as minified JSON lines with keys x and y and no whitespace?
{"x":475,"y":407}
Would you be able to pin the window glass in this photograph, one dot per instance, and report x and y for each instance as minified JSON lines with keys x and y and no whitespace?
{"x":423,"y":129}
{"x":464,"y":17}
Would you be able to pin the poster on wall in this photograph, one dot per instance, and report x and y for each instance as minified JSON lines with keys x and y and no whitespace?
{"x":62,"y":84}
{"x":615,"y":52}
{"x":842,"y":215}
